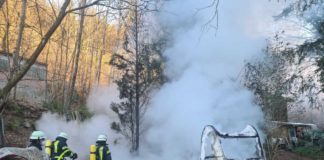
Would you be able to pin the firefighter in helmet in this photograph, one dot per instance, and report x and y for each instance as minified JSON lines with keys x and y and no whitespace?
{"x":102,"y":150}
{"x":36,"y":139}
{"x":60,"y":149}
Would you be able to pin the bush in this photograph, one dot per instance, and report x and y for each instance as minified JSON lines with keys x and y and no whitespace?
{"x":301,"y":143}
{"x":84,"y":112}
{"x":55,"y":107}
{"x":81,"y":111}
{"x":321,"y":144}
{"x":14,"y":124}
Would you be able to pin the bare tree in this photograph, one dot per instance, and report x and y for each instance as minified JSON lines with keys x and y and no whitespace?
{"x":102,"y":52}
{"x":78,"y":44}
{"x":12,"y":81}
{"x":139,"y":71}
{"x":16,"y":53}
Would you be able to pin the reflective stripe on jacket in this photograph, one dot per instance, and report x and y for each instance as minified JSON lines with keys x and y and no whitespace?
{"x":60,"y":149}
{"x":103,"y":152}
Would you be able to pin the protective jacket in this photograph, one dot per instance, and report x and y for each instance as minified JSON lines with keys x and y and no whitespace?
{"x":35,"y":143}
{"x":60,"y":149}
{"x":102,"y":151}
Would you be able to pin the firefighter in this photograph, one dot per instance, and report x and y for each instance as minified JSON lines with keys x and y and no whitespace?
{"x":60,"y":149}
{"x":102,"y":150}
{"x":36,"y":139}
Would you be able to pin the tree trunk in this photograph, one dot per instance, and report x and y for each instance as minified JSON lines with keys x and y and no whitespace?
{"x":132,"y":120}
{"x":55,"y":71}
{"x":48,"y":50}
{"x":64,"y":89}
{"x":99,"y":68}
{"x":2,"y":129}
{"x":67,"y":67}
{"x":5,"y":40}
{"x":39,"y":18}
{"x":90,"y":68}
{"x":61,"y":79}
{"x":46,"y":75}
{"x":95,"y":50}
{"x":78,"y":52}
{"x":24,"y":69}
{"x":22,"y":19}
{"x":103,"y":50}
{"x":83,"y":80}
{"x":137,"y":87}
{"x":1,"y":3}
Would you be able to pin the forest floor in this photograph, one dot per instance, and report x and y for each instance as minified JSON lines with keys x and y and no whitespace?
{"x":285,"y":155}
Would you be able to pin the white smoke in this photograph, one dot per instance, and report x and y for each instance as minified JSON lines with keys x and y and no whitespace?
{"x":203,"y":87}
{"x":204,"y":68}
{"x":82,"y":135}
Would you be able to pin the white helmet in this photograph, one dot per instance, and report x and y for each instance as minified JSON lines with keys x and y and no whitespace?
{"x":37,"y":135}
{"x":63,"y":135}
{"x":102,"y":137}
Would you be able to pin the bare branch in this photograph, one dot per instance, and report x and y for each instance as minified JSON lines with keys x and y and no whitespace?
{"x":85,"y":6}
{"x":214,"y":5}
{"x":52,"y":7}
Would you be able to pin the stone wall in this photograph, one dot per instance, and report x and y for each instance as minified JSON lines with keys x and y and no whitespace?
{"x":32,"y":87}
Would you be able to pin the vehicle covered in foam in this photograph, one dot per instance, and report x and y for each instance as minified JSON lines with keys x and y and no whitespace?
{"x":216,"y":137}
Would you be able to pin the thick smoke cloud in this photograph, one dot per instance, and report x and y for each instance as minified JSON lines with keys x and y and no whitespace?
{"x":203,"y":67}
{"x":82,"y":135}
